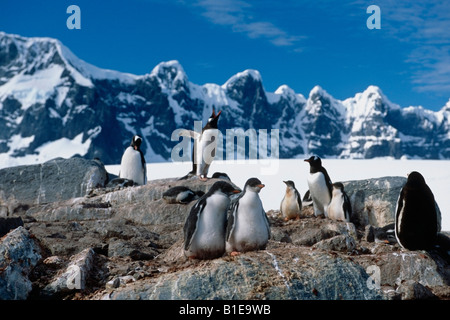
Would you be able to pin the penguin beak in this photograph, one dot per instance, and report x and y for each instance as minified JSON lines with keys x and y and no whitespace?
{"x":236,"y":191}
{"x":218,"y":114}
{"x":261,"y":186}
{"x":306,"y":160}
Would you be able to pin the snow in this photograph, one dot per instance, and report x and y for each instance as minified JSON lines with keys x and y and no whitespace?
{"x":273,"y":172}
{"x":64,"y":148}
{"x":246,"y":73}
{"x":31,"y":89}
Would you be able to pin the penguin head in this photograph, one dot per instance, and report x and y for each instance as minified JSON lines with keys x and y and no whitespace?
{"x":223,"y":187}
{"x":314,"y":161}
{"x":338,"y":188}
{"x":212,"y":121}
{"x":254,"y":184}
{"x":290,"y":184}
{"x":415,"y":179}
{"x":136,"y":142}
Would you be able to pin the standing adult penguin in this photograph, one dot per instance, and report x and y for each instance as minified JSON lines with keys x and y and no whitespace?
{"x":417,"y":219}
{"x":133,"y":166}
{"x":205,"y":144}
{"x":320,"y":186}
{"x":248,"y":226}
{"x":340,"y":207}
{"x":204,"y":229}
{"x":291,"y":205}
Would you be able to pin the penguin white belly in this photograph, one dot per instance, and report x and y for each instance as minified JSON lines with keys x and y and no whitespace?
{"x":131,"y":166}
{"x":336,"y":208}
{"x":250,"y":231}
{"x":319,"y":193}
{"x":209,"y":238}
{"x":206,"y":146}
{"x":289,"y":207}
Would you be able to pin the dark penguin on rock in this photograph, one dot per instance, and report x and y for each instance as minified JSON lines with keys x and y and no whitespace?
{"x":204,"y":229}
{"x":132,"y":166}
{"x":291,"y":205}
{"x":205,"y":145}
{"x":248,"y":227}
{"x":320,"y":186}
{"x":340,"y":208}
{"x":181,"y":194}
{"x":417,"y":219}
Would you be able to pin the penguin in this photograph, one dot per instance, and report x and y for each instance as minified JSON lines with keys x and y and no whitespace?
{"x":340,"y":207}
{"x":181,"y":194}
{"x":291,"y":205}
{"x":385,"y":234}
{"x":320,"y":186}
{"x":205,"y":145}
{"x":221,"y":175}
{"x":205,"y":226}
{"x":417,"y":220}
{"x":248,"y":226}
{"x":133,"y":165}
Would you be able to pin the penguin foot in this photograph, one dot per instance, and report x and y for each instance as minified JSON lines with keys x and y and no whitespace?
{"x":235,"y":253}
{"x":203,"y":179}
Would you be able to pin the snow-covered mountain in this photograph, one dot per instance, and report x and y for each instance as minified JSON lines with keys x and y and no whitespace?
{"x":54,"y":104}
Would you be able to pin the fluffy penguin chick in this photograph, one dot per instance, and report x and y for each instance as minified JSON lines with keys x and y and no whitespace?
{"x":204,"y":229}
{"x":339,"y":208}
{"x":319,"y":184}
{"x":248,"y":227}
{"x":132,"y":165}
{"x":291,"y":205}
{"x":417,"y":220}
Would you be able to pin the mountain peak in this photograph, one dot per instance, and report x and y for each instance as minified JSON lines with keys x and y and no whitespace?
{"x":246,"y":74}
{"x":169,"y":73}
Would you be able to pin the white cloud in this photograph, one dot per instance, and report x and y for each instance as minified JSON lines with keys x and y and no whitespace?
{"x":238,"y":15}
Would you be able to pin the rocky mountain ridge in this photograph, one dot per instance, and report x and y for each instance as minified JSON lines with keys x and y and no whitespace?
{"x":54,"y":104}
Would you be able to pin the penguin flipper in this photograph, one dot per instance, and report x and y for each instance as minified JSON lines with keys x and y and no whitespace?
{"x":191,"y":224}
{"x":232,"y":211}
{"x":266,"y":220}
{"x":347,"y":208}
{"x":299,"y":200}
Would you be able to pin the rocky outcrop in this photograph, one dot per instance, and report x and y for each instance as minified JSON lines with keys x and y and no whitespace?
{"x":19,"y":254}
{"x":126,"y":243}
{"x":59,"y":179}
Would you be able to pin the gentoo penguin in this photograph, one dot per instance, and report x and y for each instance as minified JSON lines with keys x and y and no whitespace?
{"x":133,"y":165}
{"x":291,"y":205}
{"x":339,"y":208}
{"x":205,"y":145}
{"x":248,"y":226}
{"x":319,"y":184}
{"x":181,"y":194}
{"x":385,"y":234}
{"x":220,"y":175}
{"x":204,"y":229}
{"x":417,"y":220}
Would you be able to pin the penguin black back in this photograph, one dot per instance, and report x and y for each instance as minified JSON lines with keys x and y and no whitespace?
{"x":136,"y":142}
{"x":416,"y":220}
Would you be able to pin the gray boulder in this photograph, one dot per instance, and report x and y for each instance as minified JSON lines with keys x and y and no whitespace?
{"x":374,"y":200}
{"x":59,"y":179}
{"x":19,"y":254}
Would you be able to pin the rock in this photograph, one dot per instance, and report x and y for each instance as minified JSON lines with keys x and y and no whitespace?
{"x":75,"y":275}
{"x":19,"y":254}
{"x":280,"y":272}
{"x":9,"y":223}
{"x":412,"y":290}
{"x":341,"y":243}
{"x":59,"y":179}
{"x":374,"y":200}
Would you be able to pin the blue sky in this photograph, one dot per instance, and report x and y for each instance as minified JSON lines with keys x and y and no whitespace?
{"x":298,"y":43}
